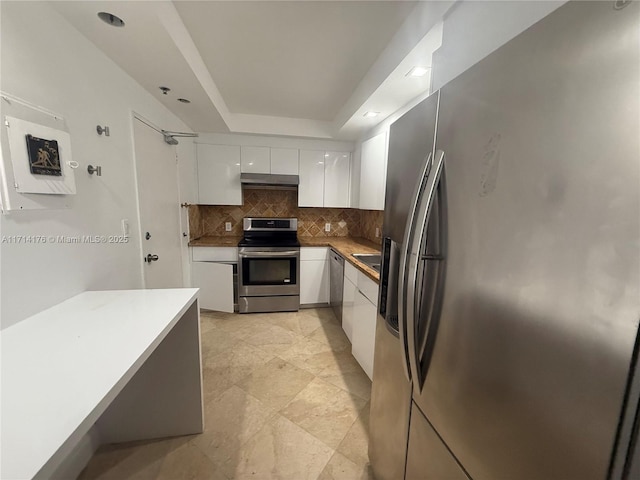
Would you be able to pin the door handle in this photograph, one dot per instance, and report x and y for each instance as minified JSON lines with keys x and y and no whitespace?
{"x":291,"y":253}
{"x":404,"y":260}
{"x":151,"y":258}
{"x":414,"y":284}
{"x":432,"y":257}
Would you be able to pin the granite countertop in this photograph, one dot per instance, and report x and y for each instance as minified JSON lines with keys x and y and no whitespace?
{"x":345,"y":246}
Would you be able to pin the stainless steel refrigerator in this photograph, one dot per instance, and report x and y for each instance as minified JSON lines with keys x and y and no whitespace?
{"x":510,"y":285}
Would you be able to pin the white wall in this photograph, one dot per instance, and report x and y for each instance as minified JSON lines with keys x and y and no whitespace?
{"x":48,"y":63}
{"x":472,"y":29}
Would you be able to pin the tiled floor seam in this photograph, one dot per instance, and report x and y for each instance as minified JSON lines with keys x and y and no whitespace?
{"x":335,"y":449}
{"x":219,"y":465}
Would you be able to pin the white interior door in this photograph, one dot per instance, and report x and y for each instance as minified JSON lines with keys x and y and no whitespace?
{"x":157,"y":178}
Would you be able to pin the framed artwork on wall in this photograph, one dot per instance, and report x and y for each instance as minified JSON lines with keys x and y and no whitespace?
{"x":44,"y":156}
{"x":41,"y":158}
{"x":36,"y":166}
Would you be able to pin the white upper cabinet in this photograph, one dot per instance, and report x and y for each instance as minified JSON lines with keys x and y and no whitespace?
{"x":284,"y":161}
{"x":373,"y":173}
{"x":218,"y":174}
{"x":337,"y":169}
{"x":324,"y":179}
{"x":255,"y":159}
{"x":311,"y":188}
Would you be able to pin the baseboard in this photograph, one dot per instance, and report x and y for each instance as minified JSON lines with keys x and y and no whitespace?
{"x":314,"y":305}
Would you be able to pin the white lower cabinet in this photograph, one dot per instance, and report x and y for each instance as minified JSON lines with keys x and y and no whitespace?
{"x":215,"y":281}
{"x":314,"y":275}
{"x":359,"y":313}
{"x":212,"y":273}
{"x":363,"y":332}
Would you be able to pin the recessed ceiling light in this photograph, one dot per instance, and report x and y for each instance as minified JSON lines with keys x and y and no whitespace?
{"x":371,"y":114}
{"x":164,"y":90}
{"x":418,"y":72}
{"x":184,"y":100}
{"x":111,"y":19}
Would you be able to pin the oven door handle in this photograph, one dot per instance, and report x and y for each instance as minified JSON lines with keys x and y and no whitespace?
{"x":291,"y":253}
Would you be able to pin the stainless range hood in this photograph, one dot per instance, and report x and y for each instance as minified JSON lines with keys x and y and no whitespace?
{"x":268,"y":180}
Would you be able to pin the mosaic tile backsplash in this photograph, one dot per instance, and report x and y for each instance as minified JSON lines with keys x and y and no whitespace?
{"x":209,"y":220}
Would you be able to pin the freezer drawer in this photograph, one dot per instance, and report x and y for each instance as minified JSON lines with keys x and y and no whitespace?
{"x":390,"y":407}
{"x":427,"y":457}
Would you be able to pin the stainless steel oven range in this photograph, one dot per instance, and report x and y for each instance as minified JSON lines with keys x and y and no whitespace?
{"x":269,"y":266}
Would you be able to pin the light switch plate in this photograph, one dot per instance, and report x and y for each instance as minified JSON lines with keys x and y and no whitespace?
{"x":327,"y":227}
{"x":227,"y":226}
{"x":125,"y":227}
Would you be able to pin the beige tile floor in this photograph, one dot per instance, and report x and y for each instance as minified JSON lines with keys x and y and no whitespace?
{"x":284,"y":399}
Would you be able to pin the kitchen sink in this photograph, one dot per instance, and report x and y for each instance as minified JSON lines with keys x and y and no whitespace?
{"x":369,"y":259}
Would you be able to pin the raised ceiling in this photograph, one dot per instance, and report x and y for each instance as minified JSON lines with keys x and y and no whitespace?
{"x":303,"y":68}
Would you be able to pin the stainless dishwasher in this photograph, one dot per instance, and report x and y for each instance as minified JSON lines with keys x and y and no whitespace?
{"x":336,"y":270}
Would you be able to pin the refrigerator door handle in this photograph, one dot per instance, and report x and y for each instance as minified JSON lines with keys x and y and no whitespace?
{"x":404,"y":259}
{"x":416,"y":263}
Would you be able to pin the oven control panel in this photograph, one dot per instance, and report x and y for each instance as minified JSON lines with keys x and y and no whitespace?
{"x":270,"y":224}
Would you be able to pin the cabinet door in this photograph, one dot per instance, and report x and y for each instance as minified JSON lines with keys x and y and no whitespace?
{"x":218,"y":174}
{"x":348,"y":297}
{"x":373,"y":173}
{"x":314,"y":281}
{"x":337,"y":170}
{"x":284,"y":161}
{"x":215,"y":281}
{"x":311,"y":188}
{"x":363,"y":332}
{"x":255,"y":159}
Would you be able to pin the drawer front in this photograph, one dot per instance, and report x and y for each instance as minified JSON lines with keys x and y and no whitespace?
{"x":314,"y":253}
{"x":214,"y":254}
{"x":348,"y":298}
{"x":351,"y":272}
{"x":363,"y":332}
{"x":368,"y":287}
